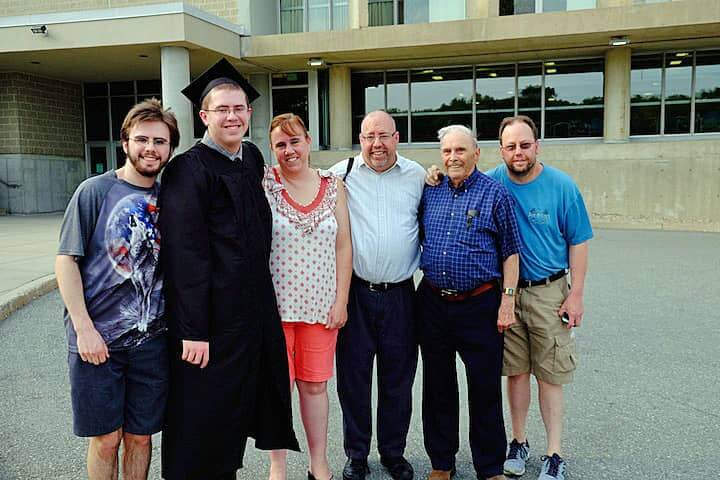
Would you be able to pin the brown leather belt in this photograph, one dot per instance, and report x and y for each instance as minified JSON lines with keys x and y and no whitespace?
{"x":450,"y":295}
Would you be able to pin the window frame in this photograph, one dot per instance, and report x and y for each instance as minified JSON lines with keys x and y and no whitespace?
{"x":306,"y":16}
{"x":516,"y":107}
{"x":663,"y":91}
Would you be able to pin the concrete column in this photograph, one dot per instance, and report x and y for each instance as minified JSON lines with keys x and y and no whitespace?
{"x":340,"y":109}
{"x":175,"y":75}
{"x":313,"y":109}
{"x":617,"y":94}
{"x":261,"y":115}
{"x":358,"y":13}
{"x":482,"y":8}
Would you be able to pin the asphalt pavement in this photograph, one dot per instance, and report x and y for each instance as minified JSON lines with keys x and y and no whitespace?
{"x":645,"y":403}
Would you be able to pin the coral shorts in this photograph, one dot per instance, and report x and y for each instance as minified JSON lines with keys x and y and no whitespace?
{"x":310,"y":351}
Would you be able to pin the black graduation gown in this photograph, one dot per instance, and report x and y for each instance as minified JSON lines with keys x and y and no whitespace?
{"x":216,"y":229}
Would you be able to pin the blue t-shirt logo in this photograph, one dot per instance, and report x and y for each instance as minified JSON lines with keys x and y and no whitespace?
{"x":538,"y":216}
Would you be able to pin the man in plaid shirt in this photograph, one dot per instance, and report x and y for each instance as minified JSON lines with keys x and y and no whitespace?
{"x":470,"y":247}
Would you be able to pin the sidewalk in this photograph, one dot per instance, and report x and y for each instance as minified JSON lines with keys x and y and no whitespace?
{"x":27,"y":259}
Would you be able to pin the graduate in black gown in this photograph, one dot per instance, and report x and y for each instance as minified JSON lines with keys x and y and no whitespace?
{"x":228,"y":369}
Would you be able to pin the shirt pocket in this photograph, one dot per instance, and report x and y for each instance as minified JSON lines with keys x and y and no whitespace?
{"x":477,"y":233}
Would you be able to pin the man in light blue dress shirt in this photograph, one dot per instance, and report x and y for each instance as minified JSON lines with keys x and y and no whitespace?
{"x":384,"y":191}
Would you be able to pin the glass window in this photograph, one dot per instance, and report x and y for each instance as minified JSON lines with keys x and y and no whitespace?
{"x":389,"y":12}
{"x":290,"y":94}
{"x":97,"y":114}
{"x":678,"y":90}
{"x":289,"y":79}
{"x":340,"y":14}
{"x":516,"y":7}
{"x":440,"y":97}
{"x":417,"y":11}
{"x":291,"y":16}
{"x":98,"y":160}
{"x":367,"y":94}
{"x":494,"y":98}
{"x":122,"y":88}
{"x":645,"y":94}
{"x":318,"y":15}
{"x":96,"y":89}
{"x":291,"y":100}
{"x":119,"y":156}
{"x":530,"y":92}
{"x":119,"y":107}
{"x":574,"y":98}
{"x":324,"y":109}
{"x":322,"y":15}
{"x":707,"y":92}
{"x":398,"y":101}
{"x":381,"y":12}
{"x":149,"y":88}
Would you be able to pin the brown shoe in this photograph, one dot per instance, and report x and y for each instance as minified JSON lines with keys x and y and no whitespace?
{"x":441,"y":474}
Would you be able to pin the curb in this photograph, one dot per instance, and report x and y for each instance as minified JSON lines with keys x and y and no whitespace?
{"x":21,"y":296}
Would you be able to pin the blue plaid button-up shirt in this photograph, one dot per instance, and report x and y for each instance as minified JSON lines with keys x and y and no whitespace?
{"x":467,"y":232}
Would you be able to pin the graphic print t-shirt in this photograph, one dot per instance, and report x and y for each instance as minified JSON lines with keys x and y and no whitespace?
{"x":111,"y":226}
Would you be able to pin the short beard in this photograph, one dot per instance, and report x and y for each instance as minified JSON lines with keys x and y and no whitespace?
{"x":144,"y":171}
{"x":525,"y":172}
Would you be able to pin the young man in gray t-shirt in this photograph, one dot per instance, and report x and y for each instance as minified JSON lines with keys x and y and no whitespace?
{"x":108,"y":277}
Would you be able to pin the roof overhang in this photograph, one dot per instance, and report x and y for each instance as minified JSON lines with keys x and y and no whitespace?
{"x":116,"y":43}
{"x":675,"y":25}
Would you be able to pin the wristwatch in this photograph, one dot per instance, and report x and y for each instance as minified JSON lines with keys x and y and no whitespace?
{"x":509,"y":291}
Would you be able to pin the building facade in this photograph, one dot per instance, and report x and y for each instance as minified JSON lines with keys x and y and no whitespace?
{"x":626,"y":93}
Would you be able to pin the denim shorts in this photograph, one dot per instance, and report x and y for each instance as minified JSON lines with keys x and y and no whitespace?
{"x":129,"y":390}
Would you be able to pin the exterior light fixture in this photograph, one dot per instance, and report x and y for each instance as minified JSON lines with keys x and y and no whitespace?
{"x":551,"y":70}
{"x":437,"y":77}
{"x":316,"y":62}
{"x":39,"y":30}
{"x":619,"y":41}
{"x":675,"y":62}
{"x":549,"y":64}
{"x":682,"y":54}
{"x":492,"y":74}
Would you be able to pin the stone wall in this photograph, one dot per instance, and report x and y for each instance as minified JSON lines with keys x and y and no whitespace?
{"x":41,"y":143}
{"x":42,"y":116}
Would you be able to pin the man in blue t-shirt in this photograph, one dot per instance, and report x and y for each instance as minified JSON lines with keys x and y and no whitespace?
{"x":107,"y":273}
{"x":554,"y":231}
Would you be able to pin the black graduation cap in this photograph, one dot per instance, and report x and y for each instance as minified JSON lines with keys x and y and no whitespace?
{"x":219,"y":74}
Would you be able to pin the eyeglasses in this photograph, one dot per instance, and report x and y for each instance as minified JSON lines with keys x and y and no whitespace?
{"x":145,"y":141}
{"x":225,"y":111}
{"x":383,"y":137}
{"x":522,"y":146}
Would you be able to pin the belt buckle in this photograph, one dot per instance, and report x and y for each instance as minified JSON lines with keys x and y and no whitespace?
{"x":447,"y":292}
{"x":377,"y":287}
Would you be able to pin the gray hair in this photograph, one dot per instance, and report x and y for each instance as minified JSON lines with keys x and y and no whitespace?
{"x":457,"y":129}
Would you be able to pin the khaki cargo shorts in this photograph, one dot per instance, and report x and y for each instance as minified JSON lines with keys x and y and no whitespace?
{"x":538,"y":342}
